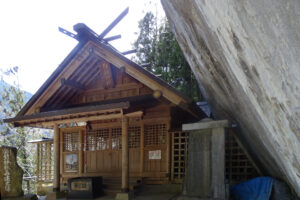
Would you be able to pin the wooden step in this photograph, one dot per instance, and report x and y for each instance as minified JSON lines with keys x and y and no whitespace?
{"x":112,"y":186}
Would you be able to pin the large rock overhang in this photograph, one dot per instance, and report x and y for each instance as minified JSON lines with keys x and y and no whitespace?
{"x":245,"y":55}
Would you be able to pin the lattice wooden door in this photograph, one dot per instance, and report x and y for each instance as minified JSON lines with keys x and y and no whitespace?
{"x":104,"y":150}
{"x":98,"y":151}
{"x":155,"y":150}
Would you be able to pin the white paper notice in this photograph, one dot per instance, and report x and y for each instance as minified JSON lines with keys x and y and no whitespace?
{"x":155,"y":155}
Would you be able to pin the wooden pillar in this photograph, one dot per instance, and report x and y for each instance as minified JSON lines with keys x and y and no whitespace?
{"x":168,"y":149}
{"x":142,"y":149}
{"x":80,"y":160}
{"x":56,"y":179}
{"x":48,"y":157}
{"x":38,"y":162}
{"x":125,"y":155}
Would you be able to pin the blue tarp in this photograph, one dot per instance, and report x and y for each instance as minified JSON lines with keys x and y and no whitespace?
{"x":255,"y":189}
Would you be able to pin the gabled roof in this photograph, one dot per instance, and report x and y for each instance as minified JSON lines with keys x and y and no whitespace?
{"x":87,"y":53}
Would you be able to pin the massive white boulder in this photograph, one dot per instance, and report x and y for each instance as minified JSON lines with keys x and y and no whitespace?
{"x":246,"y":57}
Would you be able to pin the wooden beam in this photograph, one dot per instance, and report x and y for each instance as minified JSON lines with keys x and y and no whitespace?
{"x":115,"y":37}
{"x":134,"y":114}
{"x":145,"y":65}
{"x":73,"y":111}
{"x":125,"y":155}
{"x":106,"y":75}
{"x":56,"y":178}
{"x":113,"y":24}
{"x":73,"y":120}
{"x":129,"y":52}
{"x":72,"y":84}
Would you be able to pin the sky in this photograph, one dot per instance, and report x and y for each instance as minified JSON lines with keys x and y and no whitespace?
{"x":29,"y":36}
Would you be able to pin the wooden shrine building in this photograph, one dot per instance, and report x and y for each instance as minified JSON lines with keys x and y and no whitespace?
{"x":114,"y":119}
{"x":110,"y":116}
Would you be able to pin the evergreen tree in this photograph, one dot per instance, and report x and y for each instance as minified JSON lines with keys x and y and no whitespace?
{"x":157,"y":46}
{"x":12,"y":100}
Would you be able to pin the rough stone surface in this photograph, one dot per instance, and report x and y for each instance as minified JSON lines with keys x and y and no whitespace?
{"x":218,"y":163}
{"x":10,"y":172}
{"x":246,"y":55}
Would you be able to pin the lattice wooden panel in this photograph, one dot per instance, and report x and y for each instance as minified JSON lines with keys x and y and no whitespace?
{"x":45,"y":165}
{"x":238,"y":166}
{"x":179,"y":155}
{"x":116,"y":138}
{"x":41,"y":161}
{"x":98,"y":139}
{"x":155,"y":134}
{"x":70,"y":141}
{"x":134,"y":133}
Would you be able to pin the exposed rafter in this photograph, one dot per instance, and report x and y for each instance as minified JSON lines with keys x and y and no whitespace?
{"x":72,"y":84}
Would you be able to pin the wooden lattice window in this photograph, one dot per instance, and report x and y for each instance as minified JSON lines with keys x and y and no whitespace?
{"x":155,"y":134}
{"x":98,"y":140}
{"x":238,"y":165}
{"x":70,"y":141}
{"x":116,"y":138}
{"x":134,"y":133}
{"x":102,"y":139}
{"x":90,"y":141}
{"x":179,"y":155}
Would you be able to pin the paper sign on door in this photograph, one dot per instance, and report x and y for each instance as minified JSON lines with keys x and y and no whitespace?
{"x":155,"y":155}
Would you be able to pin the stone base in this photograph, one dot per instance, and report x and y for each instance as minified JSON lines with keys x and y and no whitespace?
{"x":124,"y":196}
{"x":55,"y":195}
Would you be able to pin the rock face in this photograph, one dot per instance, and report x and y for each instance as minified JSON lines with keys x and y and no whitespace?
{"x":10,"y":172}
{"x":246,"y":57}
